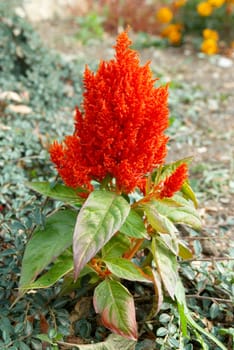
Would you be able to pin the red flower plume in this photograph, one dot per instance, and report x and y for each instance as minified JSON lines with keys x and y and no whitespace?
{"x":173,"y":183}
{"x":120,"y":129}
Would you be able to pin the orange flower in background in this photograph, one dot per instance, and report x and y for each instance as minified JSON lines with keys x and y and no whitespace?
{"x":173,"y":33}
{"x":204,"y":9}
{"x":171,"y":28}
{"x":164,"y":15}
{"x":179,"y":3}
{"x":209,"y":46}
{"x":174,"y":182}
{"x":216,"y":3}
{"x":210,"y":34}
{"x":174,"y":37}
{"x":120,"y":130}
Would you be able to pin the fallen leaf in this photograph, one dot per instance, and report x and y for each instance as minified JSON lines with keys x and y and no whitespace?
{"x":10,"y":95}
{"x":21,"y":109}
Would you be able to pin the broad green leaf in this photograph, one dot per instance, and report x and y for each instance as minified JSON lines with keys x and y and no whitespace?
{"x":183,"y":320}
{"x":171,"y":242}
{"x":184,"y":252}
{"x":166,"y":265}
{"x":45,"y":338}
{"x":185,"y":214}
{"x":165,"y":171}
{"x":47,"y":244}
{"x":158,"y":221}
{"x":116,"y":306}
{"x":113,"y":342}
{"x":69,"y":285}
{"x":116,"y":246}
{"x":125,"y":269}
{"x":62,"y":266}
{"x":188,"y":193}
{"x":101,"y":216}
{"x":59,"y":192}
{"x":134,"y":226}
{"x":158,"y":293}
{"x":181,"y":300}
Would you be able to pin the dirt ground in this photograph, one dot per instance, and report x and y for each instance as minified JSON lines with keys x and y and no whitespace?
{"x":208,"y":118}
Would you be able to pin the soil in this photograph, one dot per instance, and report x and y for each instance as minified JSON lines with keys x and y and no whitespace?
{"x":209,"y":118}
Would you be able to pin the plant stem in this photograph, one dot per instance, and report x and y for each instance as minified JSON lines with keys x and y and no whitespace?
{"x":209,"y":259}
{"x":130,"y":254}
{"x":203,"y":297}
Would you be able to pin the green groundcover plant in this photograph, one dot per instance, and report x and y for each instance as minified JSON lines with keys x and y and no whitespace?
{"x":122,"y":203}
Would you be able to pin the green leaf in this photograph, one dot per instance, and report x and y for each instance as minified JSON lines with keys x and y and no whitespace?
{"x":171,"y":242}
{"x":161,"y":332}
{"x":185,"y":214}
{"x":184,"y":252}
{"x":62,"y":266}
{"x":116,"y":306}
{"x":183,"y":320}
{"x":214,"y":311}
{"x":134,"y":226}
{"x":166,"y":265}
{"x":101,"y":216}
{"x":70,"y":285}
{"x":188,"y":193}
{"x":116,"y":246}
{"x":113,"y":342}
{"x":125,"y":269}
{"x":180,"y":296}
{"x":59,"y":192}
{"x":47,"y":244}
{"x":45,"y":338}
{"x":165,"y":171}
{"x":158,"y":221}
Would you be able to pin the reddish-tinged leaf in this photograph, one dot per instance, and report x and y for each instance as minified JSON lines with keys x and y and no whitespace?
{"x":158,"y":292}
{"x":166,"y":265}
{"x":116,"y":306}
{"x":101,"y":216}
{"x":112,"y":342}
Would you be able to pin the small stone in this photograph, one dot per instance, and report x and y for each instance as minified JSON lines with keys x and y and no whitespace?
{"x":224,"y":62}
{"x":213,"y":105}
{"x":224,"y":200}
{"x":202,"y":150}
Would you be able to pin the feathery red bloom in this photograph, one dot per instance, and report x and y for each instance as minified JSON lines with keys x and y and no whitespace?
{"x":120,"y":130}
{"x":173,"y":183}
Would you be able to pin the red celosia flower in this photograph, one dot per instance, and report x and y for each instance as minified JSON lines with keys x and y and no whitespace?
{"x":120,"y":130}
{"x":174,"y":182}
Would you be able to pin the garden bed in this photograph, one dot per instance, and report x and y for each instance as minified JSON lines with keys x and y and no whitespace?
{"x":47,"y":87}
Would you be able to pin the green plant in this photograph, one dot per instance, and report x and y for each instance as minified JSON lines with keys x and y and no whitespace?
{"x":120,"y":224}
{"x":90,"y":27}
